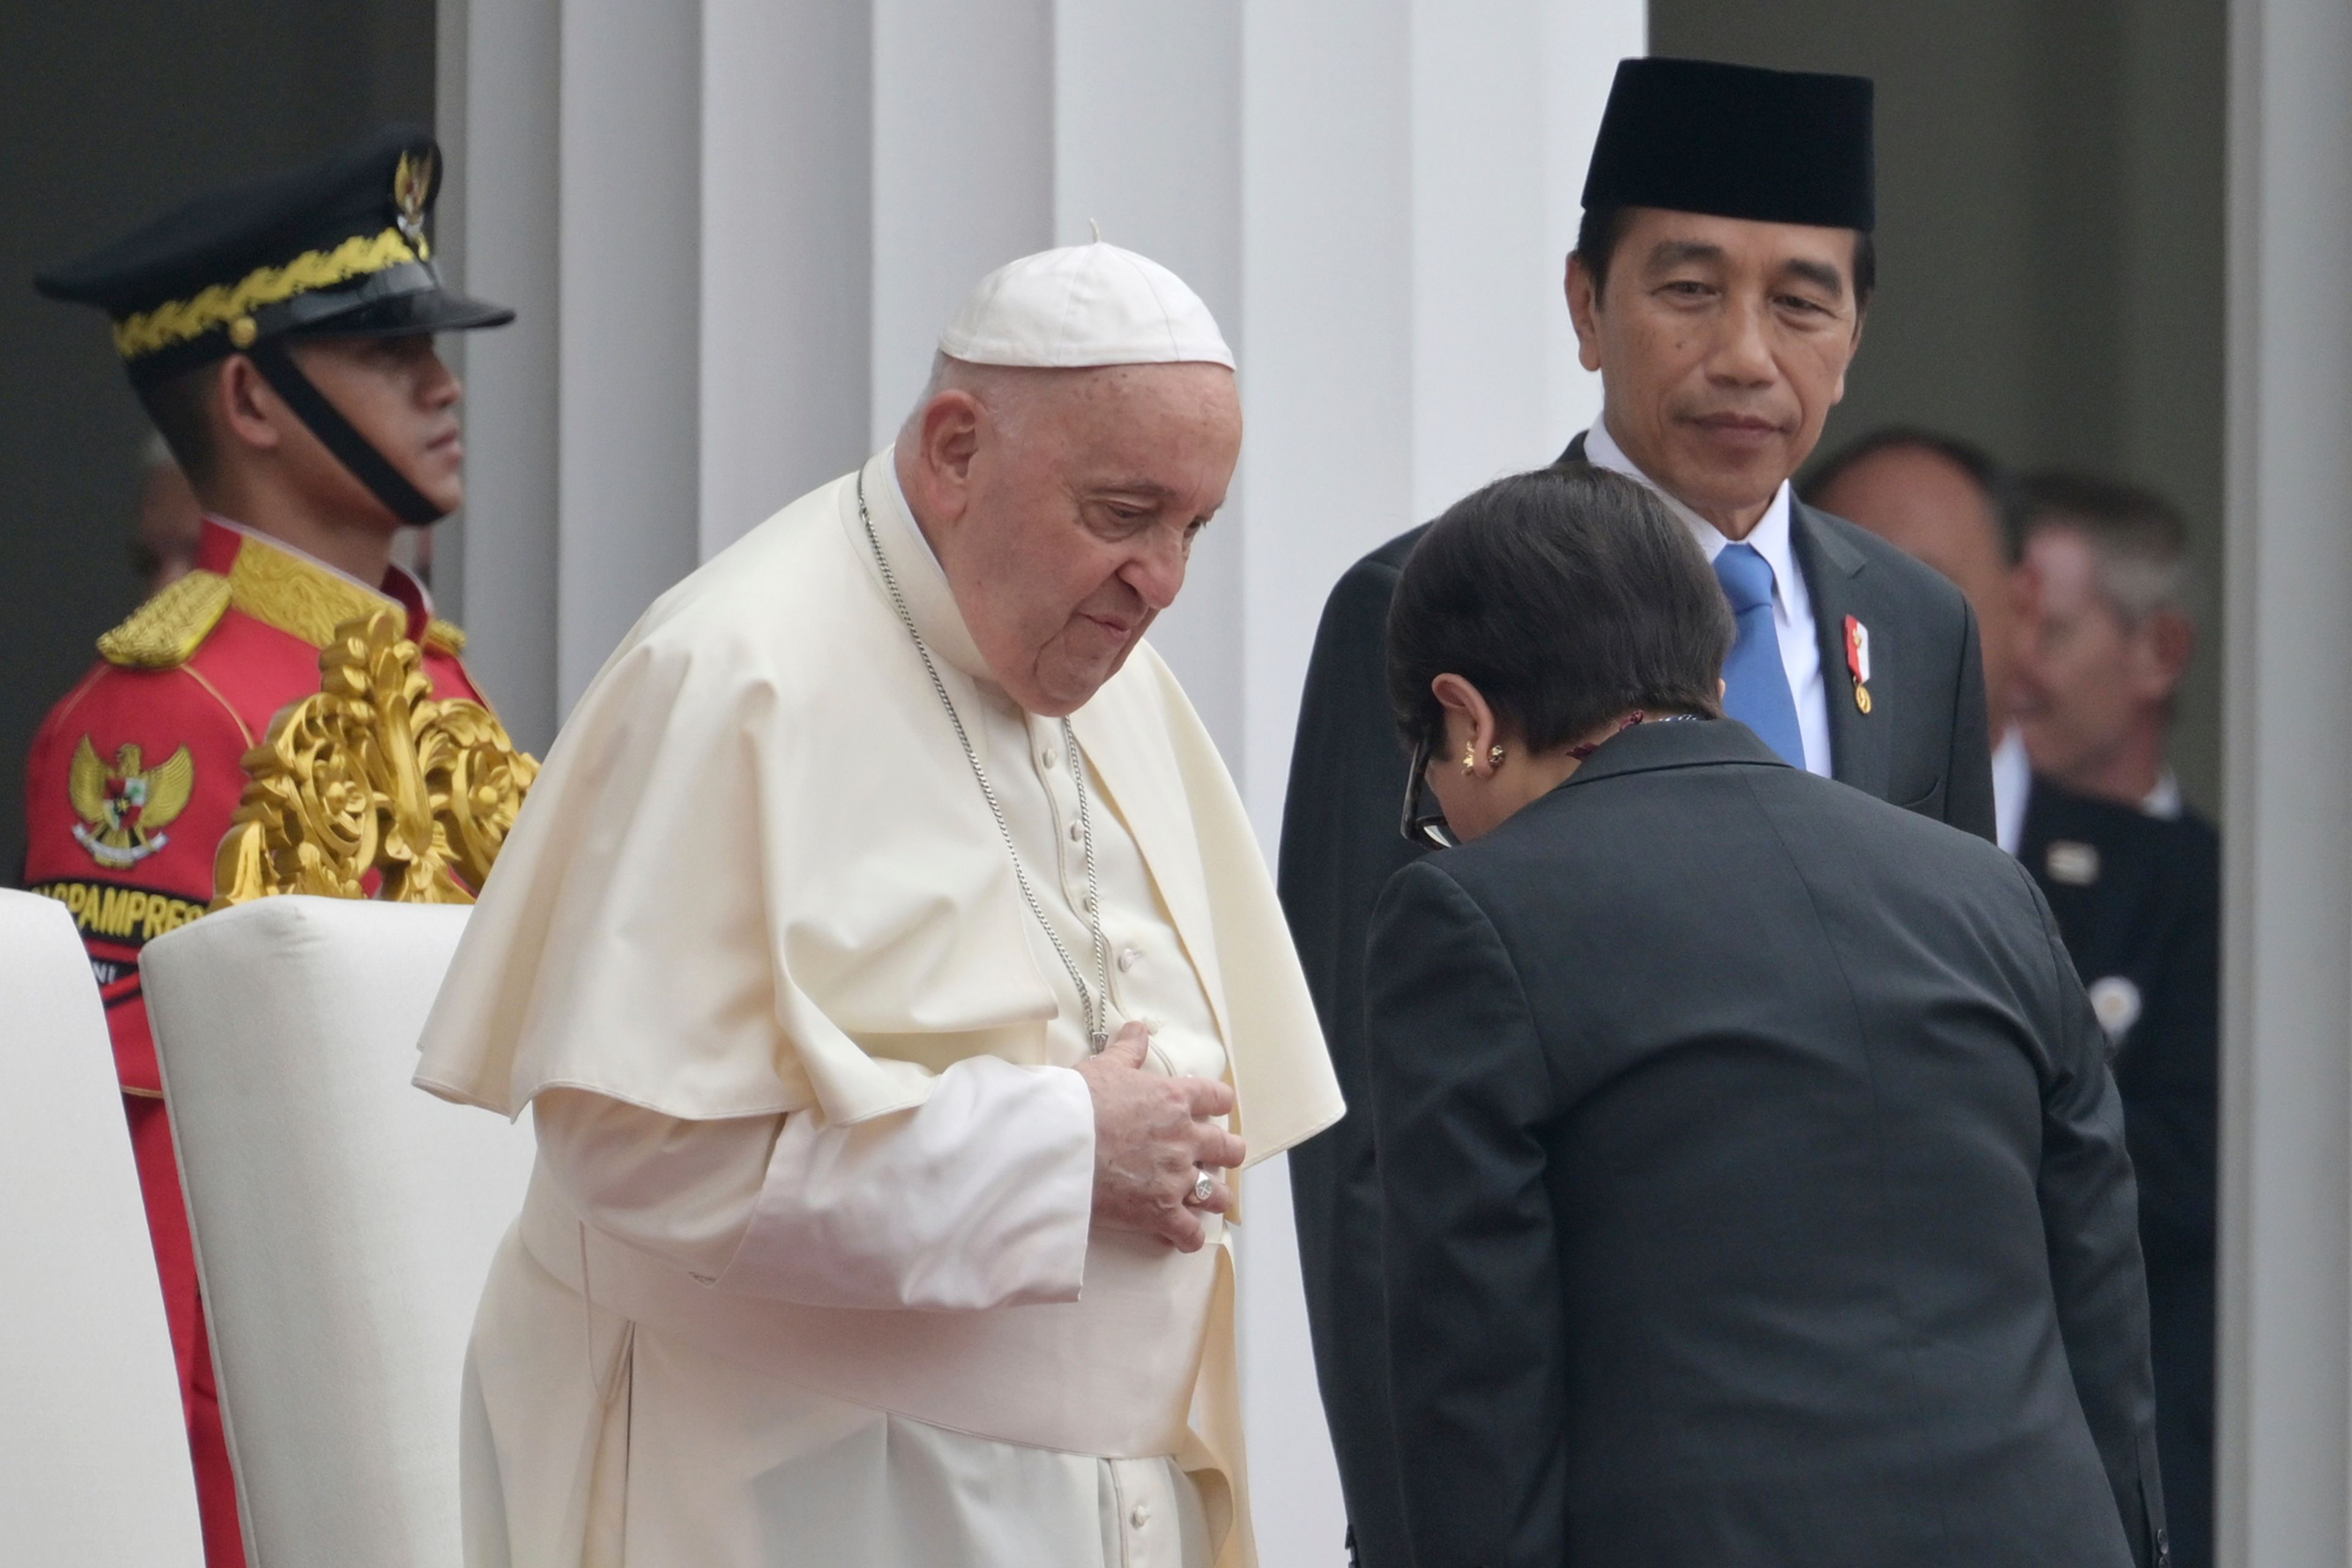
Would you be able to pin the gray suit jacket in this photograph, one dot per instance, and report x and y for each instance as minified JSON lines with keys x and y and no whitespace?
{"x":1922,"y":746}
{"x":1755,"y":1186}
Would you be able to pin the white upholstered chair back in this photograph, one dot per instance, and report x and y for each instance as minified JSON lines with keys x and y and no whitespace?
{"x":344,"y":1220}
{"x":93,"y":1446}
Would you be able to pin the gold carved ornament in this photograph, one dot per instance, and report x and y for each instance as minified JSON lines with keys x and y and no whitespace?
{"x":373,"y":774}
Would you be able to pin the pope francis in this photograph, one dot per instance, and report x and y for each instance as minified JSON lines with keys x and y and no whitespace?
{"x":893,"y":975}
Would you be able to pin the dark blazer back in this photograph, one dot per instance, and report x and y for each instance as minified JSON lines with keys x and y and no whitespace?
{"x":1922,"y":746}
{"x":1755,"y":1189}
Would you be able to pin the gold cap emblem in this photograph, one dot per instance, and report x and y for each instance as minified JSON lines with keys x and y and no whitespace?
{"x":412,"y":182}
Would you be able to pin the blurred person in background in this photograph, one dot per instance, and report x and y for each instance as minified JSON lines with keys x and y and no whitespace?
{"x":2133,"y":874}
{"x":2107,"y":570}
{"x":170,"y":521}
{"x":1946,"y":501}
{"x":280,"y":334}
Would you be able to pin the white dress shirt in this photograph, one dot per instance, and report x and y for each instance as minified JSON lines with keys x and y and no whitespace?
{"x":1792,"y":602}
{"x":2013,"y":785}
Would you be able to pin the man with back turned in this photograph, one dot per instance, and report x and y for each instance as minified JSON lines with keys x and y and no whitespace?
{"x":1719,"y":284}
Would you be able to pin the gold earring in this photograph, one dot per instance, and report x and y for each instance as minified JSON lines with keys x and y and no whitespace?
{"x":1495,"y":755}
{"x":1470,"y":756}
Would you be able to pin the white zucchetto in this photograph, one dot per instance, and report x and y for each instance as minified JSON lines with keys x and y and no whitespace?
{"x":1084,"y":305}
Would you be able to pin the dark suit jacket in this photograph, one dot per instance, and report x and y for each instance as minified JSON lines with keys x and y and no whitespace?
{"x":2142,"y":918}
{"x":1755,"y":1189}
{"x":1922,"y":745}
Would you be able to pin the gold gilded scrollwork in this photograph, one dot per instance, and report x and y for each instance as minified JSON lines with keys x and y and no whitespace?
{"x":373,"y":774}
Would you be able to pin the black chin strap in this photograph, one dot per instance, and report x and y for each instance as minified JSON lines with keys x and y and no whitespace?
{"x":335,"y":433}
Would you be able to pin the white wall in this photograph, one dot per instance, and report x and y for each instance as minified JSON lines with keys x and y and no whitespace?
{"x":735,"y":228}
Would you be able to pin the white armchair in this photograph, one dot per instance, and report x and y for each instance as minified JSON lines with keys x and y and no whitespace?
{"x":344,"y":1220}
{"x":93,"y":1445}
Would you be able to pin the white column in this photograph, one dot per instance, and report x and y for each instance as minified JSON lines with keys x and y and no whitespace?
{"x":630,"y":329}
{"x":494,"y":565}
{"x":787,"y":254}
{"x":736,"y":227}
{"x":677,"y":199}
{"x":1326,"y":362}
{"x":963,"y":171}
{"x":1506,"y":100}
{"x":2286,"y":1226}
{"x":1327,"y":290}
{"x":1410,"y":174}
{"x":1148,"y":144}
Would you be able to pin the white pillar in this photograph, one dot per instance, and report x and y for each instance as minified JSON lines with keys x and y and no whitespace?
{"x":1411,"y":170}
{"x":963,"y":171}
{"x":735,"y":228}
{"x":2286,"y":1225}
{"x":787,"y":118}
{"x":629,"y":329}
{"x":1148,"y":144}
{"x":494,"y":565}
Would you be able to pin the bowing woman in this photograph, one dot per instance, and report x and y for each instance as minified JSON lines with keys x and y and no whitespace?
{"x":1753,"y":1184}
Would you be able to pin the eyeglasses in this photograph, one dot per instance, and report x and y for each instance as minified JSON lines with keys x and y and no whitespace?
{"x":1423,"y":822}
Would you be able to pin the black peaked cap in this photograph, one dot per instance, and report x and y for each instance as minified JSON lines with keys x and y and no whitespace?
{"x":1700,"y":136}
{"x":337,"y":247}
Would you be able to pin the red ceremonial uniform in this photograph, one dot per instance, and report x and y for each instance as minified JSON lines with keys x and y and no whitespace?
{"x":130,"y":787}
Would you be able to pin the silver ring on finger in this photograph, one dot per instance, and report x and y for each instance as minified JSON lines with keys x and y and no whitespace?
{"x":1204,"y":1186}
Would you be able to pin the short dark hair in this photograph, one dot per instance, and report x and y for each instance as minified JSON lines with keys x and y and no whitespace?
{"x":181,"y":408}
{"x":1602,"y":229}
{"x":1567,"y":596}
{"x":2140,"y":539}
{"x":1971,"y":459}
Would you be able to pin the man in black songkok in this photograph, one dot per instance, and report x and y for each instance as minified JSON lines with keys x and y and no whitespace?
{"x":1719,"y":285}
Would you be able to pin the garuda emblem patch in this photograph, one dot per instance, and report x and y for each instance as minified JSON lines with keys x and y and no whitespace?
{"x":125,"y":808}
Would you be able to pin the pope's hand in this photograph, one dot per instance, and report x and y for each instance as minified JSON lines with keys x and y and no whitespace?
{"x":1153,"y":1139}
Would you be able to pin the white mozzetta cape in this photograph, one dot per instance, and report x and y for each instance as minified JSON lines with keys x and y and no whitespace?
{"x":756,"y":876}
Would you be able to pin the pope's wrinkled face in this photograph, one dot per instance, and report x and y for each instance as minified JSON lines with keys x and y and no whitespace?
{"x":1062,"y":506}
{"x":1722,"y":345}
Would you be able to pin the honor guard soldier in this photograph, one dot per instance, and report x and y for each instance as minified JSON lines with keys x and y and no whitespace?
{"x":280,"y":335}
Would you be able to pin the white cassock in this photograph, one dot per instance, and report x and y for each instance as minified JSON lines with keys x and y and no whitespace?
{"x":806,"y":1275}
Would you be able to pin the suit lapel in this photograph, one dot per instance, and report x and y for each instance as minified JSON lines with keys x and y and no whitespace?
{"x":1835,"y":581}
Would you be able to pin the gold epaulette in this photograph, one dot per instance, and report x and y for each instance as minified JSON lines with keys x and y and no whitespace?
{"x":165,"y":632}
{"x":446,"y":636}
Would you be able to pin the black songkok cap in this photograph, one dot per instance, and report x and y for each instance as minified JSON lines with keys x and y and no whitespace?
{"x":338,"y":248}
{"x":1699,"y":136}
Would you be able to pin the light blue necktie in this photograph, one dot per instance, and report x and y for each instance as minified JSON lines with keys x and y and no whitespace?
{"x":1756,"y":687}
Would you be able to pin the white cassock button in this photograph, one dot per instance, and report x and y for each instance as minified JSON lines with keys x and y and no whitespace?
{"x":1075,"y":835}
{"x":1129,"y":958}
{"x":1046,"y":758}
{"x":1141,"y":1515}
